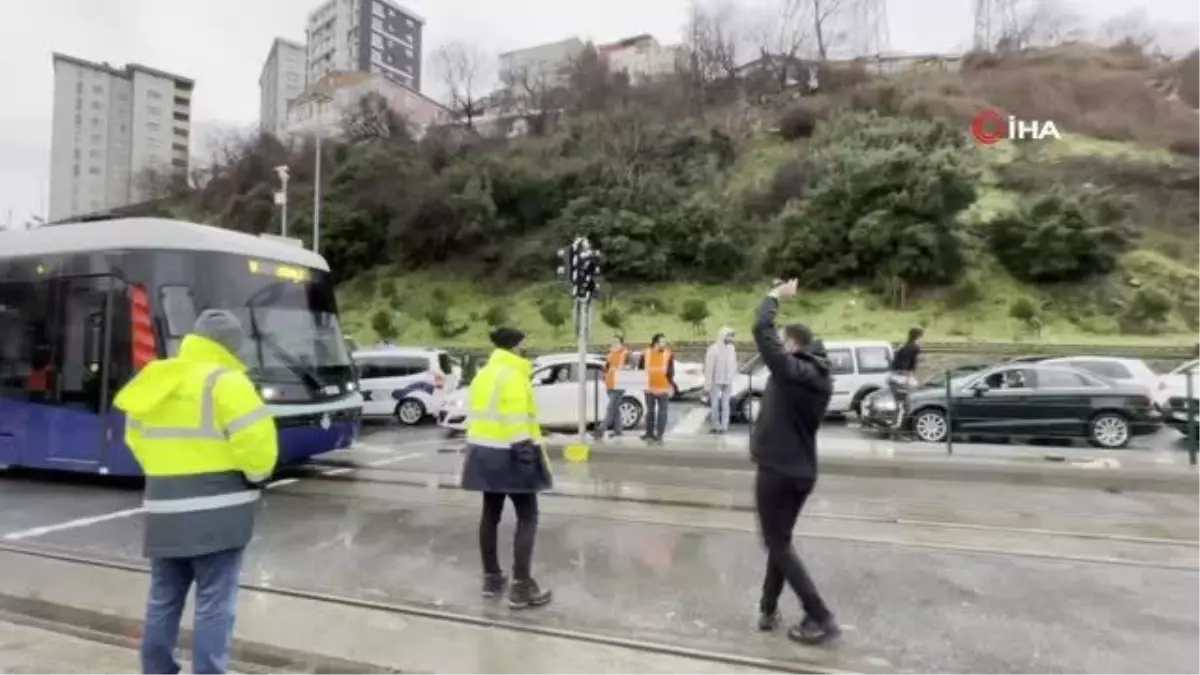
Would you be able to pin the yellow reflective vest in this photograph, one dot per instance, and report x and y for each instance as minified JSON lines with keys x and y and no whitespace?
{"x":203,"y":437}
{"x":501,"y":411}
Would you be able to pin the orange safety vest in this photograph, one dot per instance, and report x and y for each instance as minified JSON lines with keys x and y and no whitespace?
{"x":614,"y":362}
{"x":656,"y":371}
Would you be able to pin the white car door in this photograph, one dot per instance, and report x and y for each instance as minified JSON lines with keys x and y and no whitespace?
{"x":551,"y":390}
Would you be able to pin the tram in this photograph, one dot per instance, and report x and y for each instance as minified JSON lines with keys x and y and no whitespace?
{"x":84,"y":306}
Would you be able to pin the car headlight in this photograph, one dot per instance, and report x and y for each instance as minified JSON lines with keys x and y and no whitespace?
{"x":269,"y":393}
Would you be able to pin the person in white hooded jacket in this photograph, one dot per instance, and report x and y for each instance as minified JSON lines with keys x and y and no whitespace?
{"x":720,"y":367}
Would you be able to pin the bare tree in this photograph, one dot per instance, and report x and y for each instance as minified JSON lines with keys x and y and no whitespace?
{"x":1044,"y":23}
{"x":372,"y":118}
{"x":1131,"y":28}
{"x":713,"y":37}
{"x":460,"y":64}
{"x":831,"y":23}
{"x":782,"y":33}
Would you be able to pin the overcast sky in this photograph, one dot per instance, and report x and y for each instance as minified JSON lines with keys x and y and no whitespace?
{"x":222,"y":44}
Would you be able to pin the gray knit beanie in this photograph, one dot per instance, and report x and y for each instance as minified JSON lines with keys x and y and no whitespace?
{"x":221,"y":327}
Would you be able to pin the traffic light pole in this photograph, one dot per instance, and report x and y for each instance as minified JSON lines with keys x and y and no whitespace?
{"x":581,"y":308}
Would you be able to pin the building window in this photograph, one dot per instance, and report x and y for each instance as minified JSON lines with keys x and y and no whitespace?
{"x":376,"y":40}
{"x":153,"y":110}
{"x":95,"y":105}
{"x":78,"y":87}
{"x":76,"y":154}
{"x":387,"y":57}
{"x":152,"y":95}
{"x":78,"y":120}
{"x":408,"y":67}
{"x":153,"y":126}
{"x":181,"y":132}
{"x":95,"y":138}
{"x":410,"y":23}
{"x":94,"y":170}
{"x":179,"y":100}
{"x":122,"y":96}
{"x":181,"y":117}
{"x":95,"y":121}
{"x":94,"y":154}
{"x":376,"y":55}
{"x":377,"y":9}
{"x":377,"y":24}
{"x":76,"y":171}
{"x":98,"y":89}
{"x":408,"y":53}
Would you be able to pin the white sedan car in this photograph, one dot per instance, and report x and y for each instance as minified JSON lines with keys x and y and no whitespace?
{"x":556,"y":388}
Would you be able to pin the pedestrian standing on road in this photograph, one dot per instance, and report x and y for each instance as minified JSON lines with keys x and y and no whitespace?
{"x":720,"y":367}
{"x":903,"y":376}
{"x":206,"y":443}
{"x":618,"y":356}
{"x":784,"y":448}
{"x":659,"y":364}
{"x":506,"y":461}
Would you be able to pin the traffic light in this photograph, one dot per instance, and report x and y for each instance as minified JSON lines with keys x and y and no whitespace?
{"x":579,"y":265}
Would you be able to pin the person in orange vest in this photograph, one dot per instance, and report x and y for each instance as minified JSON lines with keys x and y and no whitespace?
{"x":618,"y":356}
{"x":659,"y":364}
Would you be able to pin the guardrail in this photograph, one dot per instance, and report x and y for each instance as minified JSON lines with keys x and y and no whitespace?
{"x":982,"y":411}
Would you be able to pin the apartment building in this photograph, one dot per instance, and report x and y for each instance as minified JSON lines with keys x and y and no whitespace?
{"x":108,"y":126}
{"x":641,"y":57}
{"x":340,"y":94}
{"x":282,"y":79}
{"x":377,"y":36}
{"x":547,"y":63}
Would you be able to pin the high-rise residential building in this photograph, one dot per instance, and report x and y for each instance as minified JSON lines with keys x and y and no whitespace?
{"x":109,"y":126}
{"x":378,"y":36}
{"x":544,"y":65}
{"x":282,"y":79}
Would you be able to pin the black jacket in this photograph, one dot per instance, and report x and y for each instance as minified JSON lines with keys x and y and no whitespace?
{"x":794,"y":404}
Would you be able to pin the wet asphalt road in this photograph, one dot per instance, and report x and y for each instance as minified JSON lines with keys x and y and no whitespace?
{"x":927,"y":576}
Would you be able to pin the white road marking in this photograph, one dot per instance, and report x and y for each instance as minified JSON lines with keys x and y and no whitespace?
{"x":690,"y":424}
{"x":373,"y":448}
{"x":71,"y":524}
{"x":115,"y":515}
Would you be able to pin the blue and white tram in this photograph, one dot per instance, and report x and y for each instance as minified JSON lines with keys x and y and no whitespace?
{"x":84,"y":306}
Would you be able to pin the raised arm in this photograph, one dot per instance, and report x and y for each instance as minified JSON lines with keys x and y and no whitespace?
{"x":779,"y":362}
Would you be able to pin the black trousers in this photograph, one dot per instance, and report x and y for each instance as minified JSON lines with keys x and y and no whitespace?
{"x":526,"y":505}
{"x":779,"y":499}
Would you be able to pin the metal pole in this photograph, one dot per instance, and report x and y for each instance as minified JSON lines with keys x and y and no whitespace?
{"x":317,"y":186}
{"x":284,"y":205}
{"x":581,"y":322}
{"x":949,"y":415}
{"x":1190,"y":402}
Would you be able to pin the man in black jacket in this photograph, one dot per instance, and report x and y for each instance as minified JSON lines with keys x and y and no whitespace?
{"x":785,"y":450}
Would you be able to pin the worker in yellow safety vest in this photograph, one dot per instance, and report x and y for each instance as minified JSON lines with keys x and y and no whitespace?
{"x":206,"y":443}
{"x":506,"y":460}
{"x":659,"y":364}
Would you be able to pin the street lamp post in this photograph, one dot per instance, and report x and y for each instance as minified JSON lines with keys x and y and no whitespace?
{"x":318,"y":99}
{"x":281,"y":197}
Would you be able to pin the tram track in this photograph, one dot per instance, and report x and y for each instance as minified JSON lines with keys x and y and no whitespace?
{"x":345,"y":472}
{"x":274,"y":659}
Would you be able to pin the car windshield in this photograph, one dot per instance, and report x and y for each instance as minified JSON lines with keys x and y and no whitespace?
{"x":752,"y":365}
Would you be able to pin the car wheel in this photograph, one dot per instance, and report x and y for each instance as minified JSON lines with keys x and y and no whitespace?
{"x":856,"y":402}
{"x":631,"y":413}
{"x":930,"y":425}
{"x":410,"y":412}
{"x":1109,"y":430}
{"x":750,"y":408}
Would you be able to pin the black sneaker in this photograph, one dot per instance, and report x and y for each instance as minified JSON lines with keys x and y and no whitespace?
{"x":493,"y":585}
{"x":526,"y":594}
{"x":813,"y":632}
{"x":768,"y":621}
{"x":714,"y":431}
{"x":647,"y":437}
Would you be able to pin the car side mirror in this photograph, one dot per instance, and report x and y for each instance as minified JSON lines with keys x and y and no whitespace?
{"x":979,"y":388}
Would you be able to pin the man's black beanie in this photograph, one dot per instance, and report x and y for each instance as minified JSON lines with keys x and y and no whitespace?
{"x":506,"y":338}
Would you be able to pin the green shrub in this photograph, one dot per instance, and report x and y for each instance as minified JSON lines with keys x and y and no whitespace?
{"x":1148,"y":311}
{"x":694,"y":312}
{"x":496,"y":316}
{"x":798,"y":122}
{"x":554,"y":313}
{"x":613,"y":317}
{"x":1061,"y":236}
{"x":382,"y":324}
{"x":443,"y":324}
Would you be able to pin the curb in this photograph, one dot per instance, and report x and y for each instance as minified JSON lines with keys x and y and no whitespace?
{"x":1047,"y":474}
{"x":126,"y":632}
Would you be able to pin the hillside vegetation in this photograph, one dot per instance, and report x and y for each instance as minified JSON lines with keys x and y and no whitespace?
{"x":872,"y":193}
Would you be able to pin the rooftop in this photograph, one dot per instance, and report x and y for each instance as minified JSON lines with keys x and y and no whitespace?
{"x":125,"y":72}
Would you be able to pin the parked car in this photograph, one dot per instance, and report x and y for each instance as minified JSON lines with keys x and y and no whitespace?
{"x":556,"y":388}
{"x":407,"y":382}
{"x":859,"y":368}
{"x":1172,"y":389}
{"x":1029,"y":400}
{"x":1122,"y":370}
{"x":878,"y":408}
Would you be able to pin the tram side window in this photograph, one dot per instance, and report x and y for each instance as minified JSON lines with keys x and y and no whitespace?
{"x":77,"y":338}
{"x":180,"y":310}
{"x":26,"y":371}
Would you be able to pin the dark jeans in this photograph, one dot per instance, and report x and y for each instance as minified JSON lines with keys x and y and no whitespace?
{"x":779,"y":499}
{"x":656,"y":414}
{"x":612,"y":416}
{"x":216,"y":578}
{"x":526,"y":506}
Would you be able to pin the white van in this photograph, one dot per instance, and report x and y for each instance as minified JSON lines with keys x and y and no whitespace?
{"x":859,"y":367}
{"x":407,"y":382}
